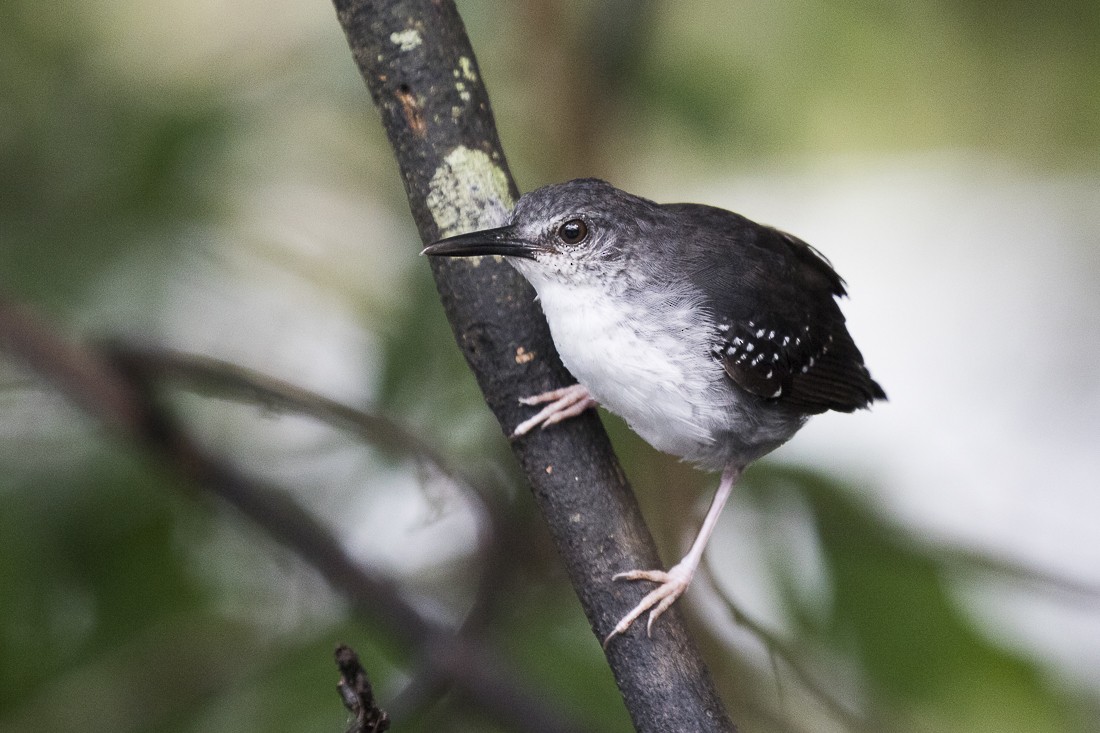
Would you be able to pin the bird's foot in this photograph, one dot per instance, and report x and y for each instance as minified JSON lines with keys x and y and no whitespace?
{"x":564,"y":403}
{"x":672,"y":585}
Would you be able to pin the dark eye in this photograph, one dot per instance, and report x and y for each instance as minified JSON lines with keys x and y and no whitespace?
{"x":573,"y":231}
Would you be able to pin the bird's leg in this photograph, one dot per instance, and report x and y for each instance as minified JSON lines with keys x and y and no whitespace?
{"x":674,"y":582}
{"x":564,"y":403}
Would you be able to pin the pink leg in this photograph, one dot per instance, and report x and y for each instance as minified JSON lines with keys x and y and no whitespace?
{"x":674,"y":582}
{"x":564,"y":403}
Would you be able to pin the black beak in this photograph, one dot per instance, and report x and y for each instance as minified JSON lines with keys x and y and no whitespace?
{"x":503,"y":241}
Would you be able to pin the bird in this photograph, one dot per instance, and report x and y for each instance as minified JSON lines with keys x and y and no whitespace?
{"x":714,"y":337}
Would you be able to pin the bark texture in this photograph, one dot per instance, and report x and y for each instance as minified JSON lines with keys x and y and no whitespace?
{"x":424,"y":79}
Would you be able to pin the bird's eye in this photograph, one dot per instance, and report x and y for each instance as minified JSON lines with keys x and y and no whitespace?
{"x":573,"y":231}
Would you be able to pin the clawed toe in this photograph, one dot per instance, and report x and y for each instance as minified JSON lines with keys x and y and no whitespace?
{"x":564,"y":403}
{"x":657,"y":576}
{"x":672,"y":585}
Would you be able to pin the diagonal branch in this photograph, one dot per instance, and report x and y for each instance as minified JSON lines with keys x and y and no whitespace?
{"x":422,"y":75}
{"x":214,"y":376}
{"x":120,"y":399}
{"x":780,"y":651}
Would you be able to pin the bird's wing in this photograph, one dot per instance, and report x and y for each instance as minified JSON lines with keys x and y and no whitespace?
{"x":781,"y":335}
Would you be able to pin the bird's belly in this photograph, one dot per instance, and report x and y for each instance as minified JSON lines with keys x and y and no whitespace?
{"x":667,"y":388}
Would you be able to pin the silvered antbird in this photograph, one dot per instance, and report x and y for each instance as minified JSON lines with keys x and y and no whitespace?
{"x":714,"y":337}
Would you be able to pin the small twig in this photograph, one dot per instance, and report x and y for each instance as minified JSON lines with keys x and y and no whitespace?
{"x":355,"y":690}
{"x":209,"y":375}
{"x":954,"y":559}
{"x":778,"y":650}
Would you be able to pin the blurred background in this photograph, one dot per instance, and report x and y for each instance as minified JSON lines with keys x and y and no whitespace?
{"x":212,"y":177}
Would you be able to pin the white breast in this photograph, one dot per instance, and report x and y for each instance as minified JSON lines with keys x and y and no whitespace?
{"x":642,"y":365}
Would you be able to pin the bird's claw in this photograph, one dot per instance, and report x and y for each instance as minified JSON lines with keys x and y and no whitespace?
{"x":564,"y":403}
{"x":672,"y":585}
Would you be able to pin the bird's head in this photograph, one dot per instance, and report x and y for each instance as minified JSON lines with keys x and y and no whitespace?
{"x":564,"y":232}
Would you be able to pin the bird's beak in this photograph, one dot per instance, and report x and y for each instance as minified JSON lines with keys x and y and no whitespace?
{"x":503,"y":241}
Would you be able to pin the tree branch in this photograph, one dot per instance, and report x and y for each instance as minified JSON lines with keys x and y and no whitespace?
{"x":780,"y":651}
{"x":208,"y":375}
{"x":423,"y":77}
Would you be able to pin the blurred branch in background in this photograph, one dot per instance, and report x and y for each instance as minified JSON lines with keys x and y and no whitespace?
{"x":219,"y":378}
{"x":781,"y":651}
{"x":121,"y":398}
{"x":890,"y":605}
